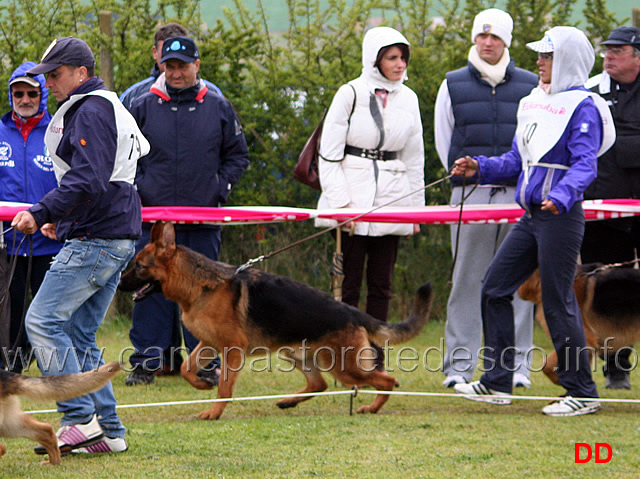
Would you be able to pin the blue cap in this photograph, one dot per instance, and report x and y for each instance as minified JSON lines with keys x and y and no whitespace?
{"x":180,"y":48}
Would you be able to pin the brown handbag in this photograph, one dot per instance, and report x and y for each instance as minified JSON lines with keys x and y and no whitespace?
{"x":306,"y":169}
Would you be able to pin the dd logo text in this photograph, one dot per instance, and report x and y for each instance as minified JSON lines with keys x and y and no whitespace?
{"x":588,"y":452}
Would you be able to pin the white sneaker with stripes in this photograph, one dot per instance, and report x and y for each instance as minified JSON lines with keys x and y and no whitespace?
{"x":569,"y":406}
{"x":476,"y":391}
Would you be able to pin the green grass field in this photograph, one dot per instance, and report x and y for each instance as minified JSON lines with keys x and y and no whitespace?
{"x":412,"y":437}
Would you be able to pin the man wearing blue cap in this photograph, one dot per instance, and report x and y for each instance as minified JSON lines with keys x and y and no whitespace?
{"x":95,"y":210}
{"x":617,"y":240}
{"x":198,"y":152}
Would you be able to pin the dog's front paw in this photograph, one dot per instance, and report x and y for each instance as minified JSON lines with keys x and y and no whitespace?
{"x":209,"y":414}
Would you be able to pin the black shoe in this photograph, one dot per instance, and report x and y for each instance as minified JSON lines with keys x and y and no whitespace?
{"x":211,"y":377}
{"x":140,"y":376}
{"x":618,"y":380}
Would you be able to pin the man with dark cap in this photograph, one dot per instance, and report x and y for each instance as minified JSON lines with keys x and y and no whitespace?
{"x":138,"y":89}
{"x":617,"y":240}
{"x":198,"y":152}
{"x":94,"y":144}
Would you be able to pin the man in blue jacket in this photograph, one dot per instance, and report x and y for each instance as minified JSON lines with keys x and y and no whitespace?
{"x":198,"y":152}
{"x":138,"y":89}
{"x":26,"y":175}
{"x":95,"y":210}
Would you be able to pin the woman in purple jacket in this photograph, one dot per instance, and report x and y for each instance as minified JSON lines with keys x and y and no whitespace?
{"x":562,"y":129}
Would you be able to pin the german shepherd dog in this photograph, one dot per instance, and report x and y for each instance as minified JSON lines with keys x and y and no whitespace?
{"x":15,"y":423}
{"x":609,"y":301}
{"x":235,"y":312}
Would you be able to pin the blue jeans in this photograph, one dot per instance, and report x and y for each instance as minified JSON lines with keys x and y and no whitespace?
{"x":64,"y":317}
{"x":552,"y":243}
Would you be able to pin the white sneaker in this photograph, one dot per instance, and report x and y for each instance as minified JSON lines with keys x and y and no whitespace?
{"x":521,"y":381}
{"x":476,"y":391}
{"x":568,"y":406}
{"x":452,"y":380}
{"x":108,"y":444}
{"x":76,"y":436}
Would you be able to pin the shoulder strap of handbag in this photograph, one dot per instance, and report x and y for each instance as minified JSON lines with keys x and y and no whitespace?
{"x":353,"y":107}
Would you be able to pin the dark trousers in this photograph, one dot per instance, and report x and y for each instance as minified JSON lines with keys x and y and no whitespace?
{"x":19,"y":291}
{"x":379,"y":253}
{"x":552,"y":243}
{"x":157,"y":327}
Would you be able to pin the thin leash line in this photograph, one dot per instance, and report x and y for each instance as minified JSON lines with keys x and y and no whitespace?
{"x":610,"y":266}
{"x":354,"y":392}
{"x":331,"y":228}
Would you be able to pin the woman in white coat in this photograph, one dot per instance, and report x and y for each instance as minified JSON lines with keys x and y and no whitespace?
{"x":371,"y":153}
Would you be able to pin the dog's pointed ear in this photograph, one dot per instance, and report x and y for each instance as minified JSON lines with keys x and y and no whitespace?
{"x":168,"y":236}
{"x":156,"y":231}
{"x":163,"y":235}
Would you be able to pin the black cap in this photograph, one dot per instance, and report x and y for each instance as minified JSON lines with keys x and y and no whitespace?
{"x":180,"y":48}
{"x":64,"y":51}
{"x":623,"y":36}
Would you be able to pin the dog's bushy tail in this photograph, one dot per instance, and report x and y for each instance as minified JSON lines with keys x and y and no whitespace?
{"x":397,"y":333}
{"x":65,"y":386}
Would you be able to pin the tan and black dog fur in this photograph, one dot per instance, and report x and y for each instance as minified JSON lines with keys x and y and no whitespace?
{"x":15,"y":423}
{"x":236,"y":312}
{"x":609,"y":301}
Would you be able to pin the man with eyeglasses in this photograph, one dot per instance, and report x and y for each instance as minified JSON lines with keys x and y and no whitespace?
{"x":26,"y":175}
{"x":618,"y":240}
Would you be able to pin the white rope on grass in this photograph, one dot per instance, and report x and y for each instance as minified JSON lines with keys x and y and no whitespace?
{"x":203,"y":401}
{"x":533,"y":398}
{"x":353,"y":393}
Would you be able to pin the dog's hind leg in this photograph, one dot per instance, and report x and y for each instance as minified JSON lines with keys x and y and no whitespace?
{"x":3,"y":449}
{"x":550,"y":367}
{"x":315,"y":383}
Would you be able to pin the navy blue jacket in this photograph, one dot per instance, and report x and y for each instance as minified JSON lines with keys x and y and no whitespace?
{"x":198,"y":150}
{"x":87,"y":204}
{"x":138,"y":89}
{"x":485,"y":116}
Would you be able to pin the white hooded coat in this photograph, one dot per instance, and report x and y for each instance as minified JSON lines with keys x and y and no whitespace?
{"x":350,"y":181}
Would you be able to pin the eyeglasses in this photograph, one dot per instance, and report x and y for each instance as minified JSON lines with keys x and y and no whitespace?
{"x":545,"y":56}
{"x":616,"y":51}
{"x":30,"y":94}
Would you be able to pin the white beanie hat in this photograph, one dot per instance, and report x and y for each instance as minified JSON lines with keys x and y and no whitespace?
{"x":493,"y":21}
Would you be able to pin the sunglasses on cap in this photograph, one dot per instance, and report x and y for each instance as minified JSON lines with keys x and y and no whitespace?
{"x":30,"y":94}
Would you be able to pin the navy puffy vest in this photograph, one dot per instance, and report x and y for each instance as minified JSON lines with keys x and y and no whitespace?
{"x":485,"y":117}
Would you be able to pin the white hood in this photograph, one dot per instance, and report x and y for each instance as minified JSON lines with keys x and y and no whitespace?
{"x":573,"y":58}
{"x":374,"y":40}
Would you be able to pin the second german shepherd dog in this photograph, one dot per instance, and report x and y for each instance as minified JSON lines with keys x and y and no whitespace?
{"x":609,"y":301}
{"x":15,"y":423}
{"x":235,"y":312}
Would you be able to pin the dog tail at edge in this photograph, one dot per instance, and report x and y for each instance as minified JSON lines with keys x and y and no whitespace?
{"x":64,"y":386}
{"x":397,"y":333}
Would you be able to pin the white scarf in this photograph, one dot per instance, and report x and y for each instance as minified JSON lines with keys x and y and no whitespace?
{"x":492,"y":74}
